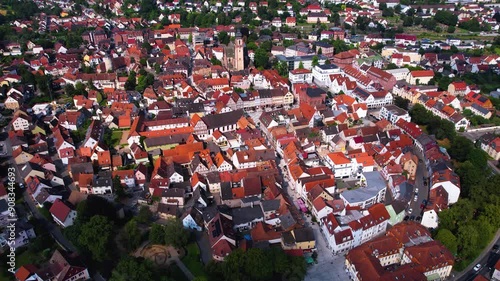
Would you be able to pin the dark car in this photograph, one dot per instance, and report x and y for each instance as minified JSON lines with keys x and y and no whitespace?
{"x":419,"y":219}
{"x":412,"y":218}
{"x":406,"y":218}
{"x":496,"y":247}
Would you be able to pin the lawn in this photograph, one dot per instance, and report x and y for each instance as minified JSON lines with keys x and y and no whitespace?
{"x":116,"y":137}
{"x":444,"y":143}
{"x":192,"y":260}
{"x":30,"y":257}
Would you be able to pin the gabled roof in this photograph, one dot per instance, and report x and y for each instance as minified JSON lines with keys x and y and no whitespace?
{"x":60,"y":210}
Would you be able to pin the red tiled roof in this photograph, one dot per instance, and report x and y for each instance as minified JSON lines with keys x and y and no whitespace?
{"x":60,"y":210}
{"x":422,"y":73}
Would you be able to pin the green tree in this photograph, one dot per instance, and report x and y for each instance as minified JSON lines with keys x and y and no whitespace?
{"x":118,"y":187}
{"x":157,"y":234}
{"x":446,"y":17}
{"x":130,"y":84}
{"x":175,"y":234}
{"x":408,"y":21}
{"x":471,"y":25}
{"x":70,"y":91}
{"x":97,"y":237}
{"x":257,"y":265}
{"x":315,"y":61}
{"x":301,"y":65}
{"x":460,"y":148}
{"x":401,"y":102}
{"x":95,"y":206}
{"x":339,"y":46}
{"x":223,"y":37}
{"x":261,"y":58}
{"x":282,"y":68}
{"x":131,"y":235}
{"x":144,"y":81}
{"x":419,"y":114}
{"x":478,"y":158}
{"x":397,"y":9}
{"x":215,"y":61}
{"x":133,"y":269}
{"x":448,"y":239}
{"x":467,"y":238}
{"x":145,"y":215}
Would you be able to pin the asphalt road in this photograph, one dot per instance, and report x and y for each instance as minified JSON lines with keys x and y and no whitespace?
{"x":423,"y":191}
{"x":473,"y":136}
{"x":487,"y":265}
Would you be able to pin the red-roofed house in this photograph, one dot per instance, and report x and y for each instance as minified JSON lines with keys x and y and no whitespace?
{"x":450,"y":181}
{"x":338,"y":162}
{"x":290,"y":21}
{"x":62,"y":214}
{"x":457,"y":88}
{"x":420,"y":77}
{"x":339,"y":240}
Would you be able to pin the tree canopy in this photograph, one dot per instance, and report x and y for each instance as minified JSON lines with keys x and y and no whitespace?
{"x":257,"y":264}
{"x":173,"y":233}
{"x":446,"y":17}
{"x":97,"y":237}
{"x":133,"y":269}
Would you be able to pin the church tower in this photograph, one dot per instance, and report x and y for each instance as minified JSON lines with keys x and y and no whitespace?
{"x":239,"y":57}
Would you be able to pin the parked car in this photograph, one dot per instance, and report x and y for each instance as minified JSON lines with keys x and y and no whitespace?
{"x":410,"y":211}
{"x":477,"y":267}
{"x":416,"y":189}
{"x":415,"y":198}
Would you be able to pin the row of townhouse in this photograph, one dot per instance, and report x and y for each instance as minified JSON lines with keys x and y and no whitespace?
{"x":408,"y":248}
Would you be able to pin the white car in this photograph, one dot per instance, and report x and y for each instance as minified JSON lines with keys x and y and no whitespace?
{"x":415,"y":198}
{"x":410,"y":211}
{"x":416,"y":190}
{"x":477,"y":267}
